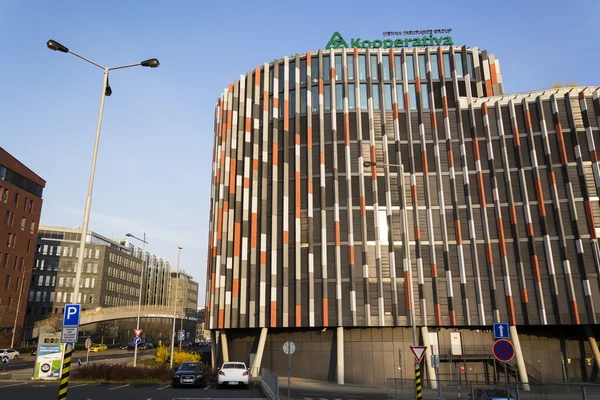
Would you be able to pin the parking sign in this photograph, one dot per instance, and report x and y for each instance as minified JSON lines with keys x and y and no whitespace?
{"x":71,"y":314}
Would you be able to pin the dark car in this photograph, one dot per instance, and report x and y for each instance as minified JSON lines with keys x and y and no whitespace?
{"x":145,"y":346}
{"x":189,"y":374}
{"x":490,"y":394}
{"x":127,"y":346}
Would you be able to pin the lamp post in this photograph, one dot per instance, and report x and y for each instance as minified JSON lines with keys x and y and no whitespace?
{"x":106,"y":91}
{"x":137,"y":326}
{"x":405,"y":243}
{"x":12,"y":341}
{"x":175,"y":305}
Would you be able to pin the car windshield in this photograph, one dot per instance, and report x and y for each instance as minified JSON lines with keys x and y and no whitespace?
{"x":188,"y":366}
{"x":234,"y":365}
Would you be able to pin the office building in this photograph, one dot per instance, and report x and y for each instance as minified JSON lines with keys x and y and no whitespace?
{"x":20,"y":208}
{"x":187,"y":291}
{"x":359,"y":193}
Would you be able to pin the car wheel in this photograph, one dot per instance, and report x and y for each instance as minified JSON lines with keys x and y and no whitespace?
{"x":16,"y":357}
{"x":174,"y":385}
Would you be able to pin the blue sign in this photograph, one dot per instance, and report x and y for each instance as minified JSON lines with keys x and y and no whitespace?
{"x":137,"y":340}
{"x":4,"y":359}
{"x":501,"y":330}
{"x":181,"y":335}
{"x":79,"y":362}
{"x":72,"y":314}
{"x":503,"y":350}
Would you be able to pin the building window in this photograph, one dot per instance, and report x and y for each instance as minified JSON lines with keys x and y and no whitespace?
{"x":61,"y":281}
{"x":422,"y":67}
{"x":16,"y":200}
{"x":7,"y":282}
{"x":376,"y":97}
{"x":435,"y":69}
{"x":302,"y":101}
{"x":398,"y":67}
{"x":22,"y":223}
{"x":314,"y":70}
{"x":338,"y":67}
{"x":302,"y":74}
{"x":9,"y":302}
{"x":32,"y":227}
{"x":424,"y":95}
{"x":459,"y":65}
{"x":351,"y":97}
{"x":470,"y":66}
{"x":7,"y":218}
{"x":410,"y":67}
{"x":326,"y":69}
{"x":387,"y":96}
{"x":327,"y":97}
{"x":362,"y":67}
{"x":5,"y":196}
{"x":339,"y":97}
{"x":350,"y":66}
{"x":412,"y":95}
{"x":374,"y":68}
{"x":292,"y":66}
{"x":363,"y":96}
{"x":447,"y":70}
{"x":315,"y":98}
{"x":386,"y":67}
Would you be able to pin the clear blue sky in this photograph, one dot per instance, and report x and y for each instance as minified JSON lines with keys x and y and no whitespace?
{"x":154,"y":165}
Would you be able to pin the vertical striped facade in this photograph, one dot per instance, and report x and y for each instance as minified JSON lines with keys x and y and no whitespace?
{"x":493,"y":220}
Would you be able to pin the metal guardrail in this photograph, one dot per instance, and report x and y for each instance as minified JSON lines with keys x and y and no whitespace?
{"x":270,"y":384}
{"x":403,"y":389}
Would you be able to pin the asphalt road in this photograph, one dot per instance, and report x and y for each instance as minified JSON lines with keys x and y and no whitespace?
{"x":88,"y":391}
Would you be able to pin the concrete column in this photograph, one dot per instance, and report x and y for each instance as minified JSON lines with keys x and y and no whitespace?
{"x":255,"y":369}
{"x":428,"y":353}
{"x":593,"y":344}
{"x":213,"y":348}
{"x":340,"y":355}
{"x":523,"y":377}
{"x":224,"y":348}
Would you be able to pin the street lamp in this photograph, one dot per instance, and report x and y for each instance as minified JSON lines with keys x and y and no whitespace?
{"x":175,"y":305}
{"x":405,"y":241}
{"x":106,"y":91}
{"x":137,"y":326}
{"x":12,"y":341}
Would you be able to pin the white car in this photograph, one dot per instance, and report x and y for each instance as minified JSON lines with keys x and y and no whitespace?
{"x":233,"y":373}
{"x":11,"y":353}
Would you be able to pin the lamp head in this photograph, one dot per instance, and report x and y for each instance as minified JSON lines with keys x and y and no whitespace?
{"x":179,"y":247}
{"x":368,"y":164}
{"x":128,"y":235}
{"x":54,"y":45}
{"x":152,"y":63}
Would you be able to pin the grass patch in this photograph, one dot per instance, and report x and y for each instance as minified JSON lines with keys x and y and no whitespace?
{"x":148,"y":361}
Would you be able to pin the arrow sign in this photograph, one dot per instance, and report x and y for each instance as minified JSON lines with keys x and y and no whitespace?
{"x":137,"y":332}
{"x":5,"y":359}
{"x":501,"y":330}
{"x":418,"y":352}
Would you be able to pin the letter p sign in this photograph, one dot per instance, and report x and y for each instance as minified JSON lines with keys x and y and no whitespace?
{"x":71,"y":314}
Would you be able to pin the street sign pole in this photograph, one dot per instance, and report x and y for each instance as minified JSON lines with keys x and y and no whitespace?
{"x":506,"y":380}
{"x":289,"y":369}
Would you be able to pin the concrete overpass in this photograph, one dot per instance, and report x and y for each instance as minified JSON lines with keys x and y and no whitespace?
{"x":101,"y":314}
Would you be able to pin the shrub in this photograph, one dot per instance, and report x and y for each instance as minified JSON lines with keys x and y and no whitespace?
{"x":122,"y":372}
{"x":162,"y":356}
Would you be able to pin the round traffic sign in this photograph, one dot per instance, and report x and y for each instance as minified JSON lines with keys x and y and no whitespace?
{"x":503,"y":350}
{"x":5,"y":359}
{"x":88,"y":343}
{"x":289,"y":348}
{"x":137,"y":340}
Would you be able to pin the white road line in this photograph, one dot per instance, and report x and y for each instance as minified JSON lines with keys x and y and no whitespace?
{"x":73,"y":387}
{"x":206,"y":388}
{"x":14,"y":384}
{"x":163,"y":387}
{"x":119,"y":387}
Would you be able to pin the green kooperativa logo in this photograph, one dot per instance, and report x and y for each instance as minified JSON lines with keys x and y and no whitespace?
{"x":338,"y":42}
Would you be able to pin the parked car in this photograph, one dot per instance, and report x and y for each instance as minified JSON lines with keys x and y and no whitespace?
{"x":233,"y":373}
{"x":490,"y":394}
{"x":189,"y":374}
{"x":11,"y":353}
{"x":145,"y":346}
{"x":98,"y":347}
{"x":34,"y":351}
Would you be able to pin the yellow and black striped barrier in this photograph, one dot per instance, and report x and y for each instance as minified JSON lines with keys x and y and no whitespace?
{"x":418,"y":381}
{"x":64,"y":378}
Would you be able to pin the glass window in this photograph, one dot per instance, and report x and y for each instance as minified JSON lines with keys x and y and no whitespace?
{"x":314,"y":69}
{"x":326,"y":68}
{"x":302,"y":101}
{"x":292,"y":103}
{"x":327,"y":97}
{"x":459,"y":65}
{"x":422,"y":67}
{"x":376,"y":97}
{"x":362,"y":67}
{"x":386,"y":67}
{"x":410,"y":67}
{"x":398,"y":67}
{"x":315,"y":98}
{"x":303,"y":71}
{"x":387,"y":96}
{"x":350,"y":61}
{"x":382,"y":225}
{"x":339,"y":97}
{"x":374,"y":68}
{"x":351,"y":99}
{"x":338,"y":67}
{"x":412,"y":96}
{"x":292,"y":74}
{"x":363,"y":96}
{"x":400,"y":96}
{"x":281,"y":77}
{"x":424,"y":95}
{"x":435,"y":71}
{"x":447,"y":70}
{"x":470,"y":66}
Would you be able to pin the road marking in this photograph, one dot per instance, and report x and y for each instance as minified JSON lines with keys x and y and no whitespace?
{"x":119,"y":387}
{"x":83,"y":384}
{"x":206,"y":388}
{"x":163,"y":387}
{"x":14,"y":384}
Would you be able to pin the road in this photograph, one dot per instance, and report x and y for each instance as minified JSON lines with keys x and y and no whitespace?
{"x":90,"y":391}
